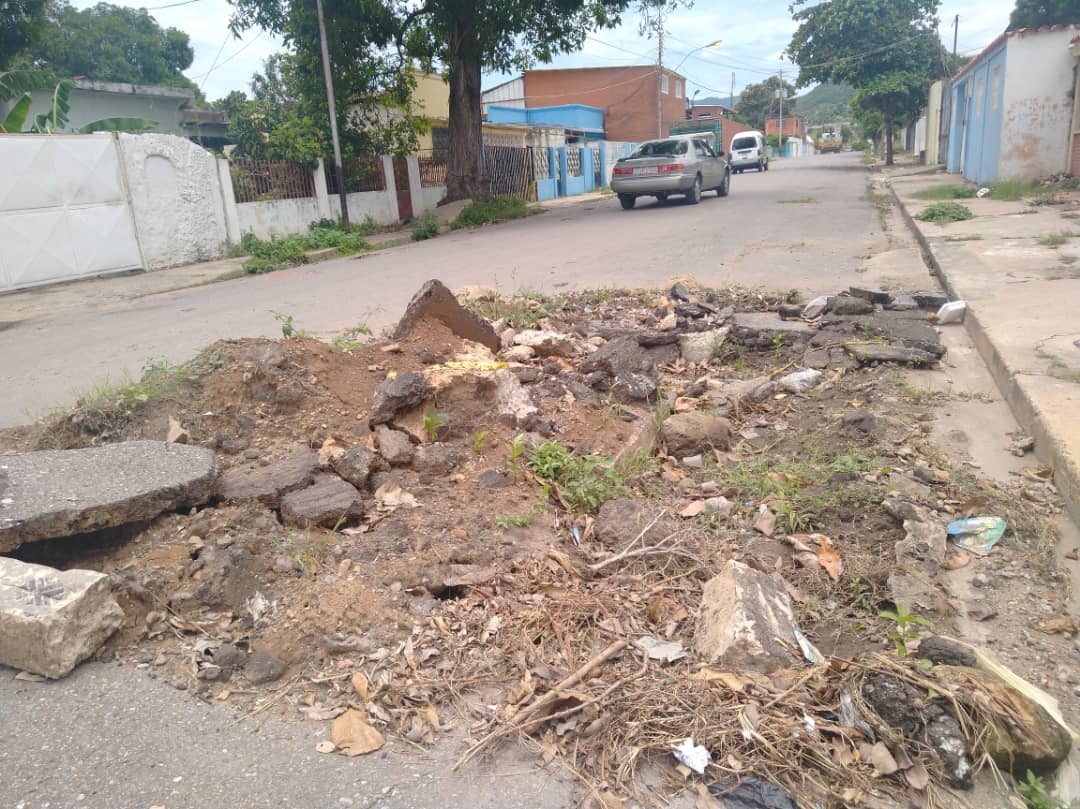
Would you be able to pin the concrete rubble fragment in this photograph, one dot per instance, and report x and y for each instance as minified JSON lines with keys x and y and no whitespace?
{"x":435,"y":301}
{"x":326,"y":502}
{"x":700,"y":347}
{"x":693,"y":433}
{"x":52,"y":620}
{"x":58,"y":493}
{"x":268,"y":483}
{"x":399,"y":393}
{"x":744,"y":616}
{"x":545,"y":343}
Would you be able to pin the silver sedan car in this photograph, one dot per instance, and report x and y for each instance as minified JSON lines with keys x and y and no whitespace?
{"x":677,"y":165}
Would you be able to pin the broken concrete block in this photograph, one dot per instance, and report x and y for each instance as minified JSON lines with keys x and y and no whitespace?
{"x":849,"y":305}
{"x":434,"y":459}
{"x":512,"y":401}
{"x":700,"y":347}
{"x":268,"y":483}
{"x":394,"y":446}
{"x":874,"y":352}
{"x":52,"y":620}
{"x":263,"y":667}
{"x":930,"y":299}
{"x":743,"y":618}
{"x":434,"y":301}
{"x":545,"y":343}
{"x":816,"y":307}
{"x":881,"y":296}
{"x":901,"y":302}
{"x":325,"y":503}
{"x":58,"y":493}
{"x":692,"y":433}
{"x":399,"y":393}
{"x":766,"y":330}
{"x":355,"y":465}
{"x":519,"y":353}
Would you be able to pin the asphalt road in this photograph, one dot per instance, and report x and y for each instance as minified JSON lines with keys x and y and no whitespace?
{"x":804,"y":224}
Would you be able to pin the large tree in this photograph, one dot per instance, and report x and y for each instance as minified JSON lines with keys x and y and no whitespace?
{"x":1036,"y":13}
{"x":21,"y":23}
{"x":112,"y":43}
{"x":464,"y":36}
{"x":759,"y":101}
{"x":887,"y":49}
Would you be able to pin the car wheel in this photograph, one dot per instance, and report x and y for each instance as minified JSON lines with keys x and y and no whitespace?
{"x":725,"y":186}
{"x":693,"y":196}
{"x":627,"y":201}
{"x":766,"y":165}
{"x":761,"y":165}
{"x":661,"y":197}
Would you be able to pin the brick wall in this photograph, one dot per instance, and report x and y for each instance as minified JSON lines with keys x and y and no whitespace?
{"x":794,"y":126}
{"x":730,"y":130}
{"x":626,"y":94}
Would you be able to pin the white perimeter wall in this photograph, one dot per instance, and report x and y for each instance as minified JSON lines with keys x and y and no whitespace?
{"x":381,"y":206}
{"x":176,"y":199}
{"x":1038,"y":108}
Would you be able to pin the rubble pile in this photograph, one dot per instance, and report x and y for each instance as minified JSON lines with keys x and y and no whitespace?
{"x":622,"y":523}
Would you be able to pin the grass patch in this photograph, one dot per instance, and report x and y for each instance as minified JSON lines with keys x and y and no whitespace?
{"x":951,"y":191}
{"x":944,"y":212}
{"x":290,"y":251}
{"x":584,"y":482}
{"x":426,"y":227}
{"x":497,"y":209}
{"x":1070,"y":216}
{"x":1067,"y":259}
{"x":1010,"y":190}
{"x":524,"y":309}
{"x":971,"y":237}
{"x":1055,"y":240}
{"x":799,"y":201}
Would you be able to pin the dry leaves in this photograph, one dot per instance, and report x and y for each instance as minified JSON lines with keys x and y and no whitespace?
{"x":817,"y":550}
{"x":354,"y":736}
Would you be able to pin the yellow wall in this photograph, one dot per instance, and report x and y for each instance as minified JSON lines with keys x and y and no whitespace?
{"x":431,"y":98}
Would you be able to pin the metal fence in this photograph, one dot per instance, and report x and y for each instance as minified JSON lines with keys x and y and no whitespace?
{"x":573,"y":161}
{"x":432,"y":170}
{"x":256,"y":180}
{"x":361,"y":174}
{"x":510,"y":171}
{"x":599,"y":175}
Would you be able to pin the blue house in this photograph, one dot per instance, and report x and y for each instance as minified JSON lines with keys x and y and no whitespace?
{"x":1013,"y":107}
{"x":582,"y":122}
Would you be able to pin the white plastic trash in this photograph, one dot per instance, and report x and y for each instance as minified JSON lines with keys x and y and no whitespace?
{"x":982,"y":192}
{"x":952,"y":312}
{"x":799,"y":381}
{"x":694,"y":756}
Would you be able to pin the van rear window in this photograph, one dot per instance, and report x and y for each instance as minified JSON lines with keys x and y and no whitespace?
{"x":743,"y":143}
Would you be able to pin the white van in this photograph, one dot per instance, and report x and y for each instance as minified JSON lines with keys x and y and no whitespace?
{"x":748,"y":151}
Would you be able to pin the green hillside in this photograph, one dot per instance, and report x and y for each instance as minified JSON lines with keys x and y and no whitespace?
{"x":826,"y":103}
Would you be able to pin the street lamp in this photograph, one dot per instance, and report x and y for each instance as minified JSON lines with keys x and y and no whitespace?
{"x":715,"y":44}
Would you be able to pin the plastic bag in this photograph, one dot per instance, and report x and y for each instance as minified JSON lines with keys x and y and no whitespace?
{"x":977,"y":534}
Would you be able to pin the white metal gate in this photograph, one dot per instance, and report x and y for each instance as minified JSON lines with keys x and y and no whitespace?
{"x":63,"y":210}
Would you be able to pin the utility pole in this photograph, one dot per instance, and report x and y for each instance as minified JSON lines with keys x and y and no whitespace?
{"x":660,"y":74}
{"x":333,"y":118}
{"x":780,"y":137}
{"x":955,"y":32}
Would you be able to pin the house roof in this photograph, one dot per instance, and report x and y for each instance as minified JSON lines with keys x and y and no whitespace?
{"x":993,"y":46}
{"x":504,"y":84}
{"x":121,"y":88}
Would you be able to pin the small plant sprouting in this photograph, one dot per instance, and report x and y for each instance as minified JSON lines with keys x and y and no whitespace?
{"x":288,"y":325}
{"x":778,"y":343}
{"x":433,"y":422}
{"x":793,"y":296}
{"x":505,"y":521}
{"x":516,"y":447}
{"x":479,"y":441}
{"x":1035,"y":794}
{"x":348,"y":341}
{"x":906,"y":628}
{"x":661,"y":412}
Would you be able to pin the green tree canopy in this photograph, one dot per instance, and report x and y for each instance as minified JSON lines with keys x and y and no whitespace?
{"x":758,"y":101}
{"x":462,"y":35}
{"x":111,"y":43}
{"x":1036,"y":13}
{"x":21,"y":24}
{"x":888,"y":50}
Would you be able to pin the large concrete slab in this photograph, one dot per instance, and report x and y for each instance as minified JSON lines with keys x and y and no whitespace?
{"x":51,"y":620}
{"x":58,"y":493}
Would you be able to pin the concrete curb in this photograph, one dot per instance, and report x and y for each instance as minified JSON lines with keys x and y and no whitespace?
{"x":1011,"y":383}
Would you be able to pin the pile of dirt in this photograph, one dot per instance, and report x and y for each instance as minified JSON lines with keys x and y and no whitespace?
{"x":423,"y":536}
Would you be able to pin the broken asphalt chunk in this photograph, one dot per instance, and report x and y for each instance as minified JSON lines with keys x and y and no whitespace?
{"x":434,"y":301}
{"x":873,"y":352}
{"x":400,"y":392}
{"x":267,"y":484}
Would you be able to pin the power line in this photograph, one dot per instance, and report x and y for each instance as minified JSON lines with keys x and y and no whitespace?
{"x":169,"y":5}
{"x":214,"y":63}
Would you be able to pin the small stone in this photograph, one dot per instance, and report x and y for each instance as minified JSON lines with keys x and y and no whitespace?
{"x":519,"y":354}
{"x":668,"y":322}
{"x":545,"y":343}
{"x":718,"y":505}
{"x":494,"y":479}
{"x":230,"y":656}
{"x":816,"y":307}
{"x":355,"y":465}
{"x":687,"y":434}
{"x":326,"y":503}
{"x":945,"y":652}
{"x":789,"y":311}
{"x":862,"y":420}
{"x":881,"y":296}
{"x":263,"y":667}
{"x":176,"y":434}
{"x":285,"y":565}
{"x":394,"y":445}
{"x":694,"y":462}
{"x":679,"y":292}
{"x":434,"y":459}
{"x":928,"y":299}
{"x":848,"y":305}
{"x":700,"y":347}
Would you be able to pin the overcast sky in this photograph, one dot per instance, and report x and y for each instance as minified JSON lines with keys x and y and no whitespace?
{"x":753,"y":36}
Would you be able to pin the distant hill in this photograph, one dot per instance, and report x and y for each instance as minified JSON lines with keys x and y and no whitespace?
{"x":724,"y":101}
{"x":826,"y":103}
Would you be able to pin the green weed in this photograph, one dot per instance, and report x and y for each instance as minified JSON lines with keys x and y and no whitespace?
{"x":497,"y":209}
{"x":585,"y":481}
{"x":524,"y":309}
{"x":288,"y":251}
{"x":349,"y":340}
{"x":1035,"y":794}
{"x":942,"y":213}
{"x":506,"y":521}
{"x":1010,"y":190}
{"x":905,"y":629}
{"x":427,"y":227}
{"x":288,"y":325}
{"x":1055,"y":240}
{"x":1067,"y":259}
{"x":479,"y":441}
{"x":434,"y":421}
{"x":951,"y":191}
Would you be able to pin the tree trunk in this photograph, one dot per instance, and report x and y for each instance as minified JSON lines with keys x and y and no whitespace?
{"x":465,"y":174}
{"x":887,"y":115}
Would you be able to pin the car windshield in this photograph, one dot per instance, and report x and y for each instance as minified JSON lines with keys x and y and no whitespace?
{"x":660,"y":148}
{"x":743,"y":143}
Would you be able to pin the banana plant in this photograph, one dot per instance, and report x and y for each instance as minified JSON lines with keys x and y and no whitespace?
{"x":21,"y":82}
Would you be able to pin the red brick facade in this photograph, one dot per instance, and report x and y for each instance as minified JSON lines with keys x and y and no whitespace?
{"x":794,"y":126}
{"x":730,"y":130}
{"x":626,"y":94}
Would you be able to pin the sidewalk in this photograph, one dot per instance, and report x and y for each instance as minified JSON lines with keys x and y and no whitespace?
{"x":1023,"y":296}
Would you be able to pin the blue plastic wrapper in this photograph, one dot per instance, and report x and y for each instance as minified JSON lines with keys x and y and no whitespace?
{"x":977,"y":534}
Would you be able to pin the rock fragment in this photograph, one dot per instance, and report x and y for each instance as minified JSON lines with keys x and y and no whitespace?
{"x":399,"y":393}
{"x":687,"y":434}
{"x":434,"y":301}
{"x":268,"y":483}
{"x":325,"y":503}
